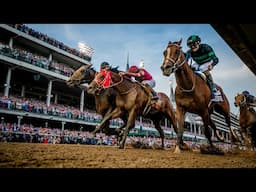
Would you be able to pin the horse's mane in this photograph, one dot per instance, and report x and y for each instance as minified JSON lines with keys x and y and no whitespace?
{"x":115,"y":69}
{"x":92,"y":68}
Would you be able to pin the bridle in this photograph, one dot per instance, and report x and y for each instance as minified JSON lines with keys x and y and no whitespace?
{"x":242,"y":103}
{"x":176,"y":64}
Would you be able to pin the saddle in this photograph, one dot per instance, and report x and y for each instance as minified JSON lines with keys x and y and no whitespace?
{"x":150,"y":101}
{"x":216,"y":91}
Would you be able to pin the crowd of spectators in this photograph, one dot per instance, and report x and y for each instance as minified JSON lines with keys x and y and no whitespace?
{"x":32,"y":105}
{"x":10,"y":132}
{"x":36,"y":60}
{"x":44,"y":37}
{"x":36,"y":106}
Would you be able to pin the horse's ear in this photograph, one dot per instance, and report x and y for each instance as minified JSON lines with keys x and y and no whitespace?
{"x":170,"y":42}
{"x":180,"y":41}
{"x":89,"y":66}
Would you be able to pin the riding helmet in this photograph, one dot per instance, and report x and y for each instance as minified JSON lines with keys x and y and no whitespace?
{"x":193,"y":39}
{"x":104,"y":64}
{"x":133,"y":69}
{"x":246,"y":92}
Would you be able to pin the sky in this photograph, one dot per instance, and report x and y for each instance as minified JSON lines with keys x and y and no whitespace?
{"x":113,"y":43}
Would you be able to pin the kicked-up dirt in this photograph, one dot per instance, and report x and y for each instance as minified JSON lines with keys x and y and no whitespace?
{"x":30,"y":155}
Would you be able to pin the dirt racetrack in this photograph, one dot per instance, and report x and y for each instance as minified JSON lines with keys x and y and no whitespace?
{"x":29,"y":155}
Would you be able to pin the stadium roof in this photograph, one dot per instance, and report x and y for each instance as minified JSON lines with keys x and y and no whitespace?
{"x":242,"y":39}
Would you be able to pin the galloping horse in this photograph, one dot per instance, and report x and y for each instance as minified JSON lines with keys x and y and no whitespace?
{"x":131,"y":100}
{"x":247,"y":120}
{"x":192,"y":94}
{"x":104,"y":99}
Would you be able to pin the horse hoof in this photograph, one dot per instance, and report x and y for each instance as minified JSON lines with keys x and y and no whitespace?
{"x":177,"y":150}
{"x":212,"y":150}
{"x":184,"y":146}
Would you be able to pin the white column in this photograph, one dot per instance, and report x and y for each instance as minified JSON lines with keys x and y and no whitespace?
{"x":7,"y":83}
{"x":82,"y":101}
{"x":49,"y":92}
{"x":19,"y":120}
{"x":23,"y":91}
{"x":46,"y":124}
{"x":63,"y":125}
{"x":11,"y":42}
{"x":56,"y":99}
{"x":50,"y":57}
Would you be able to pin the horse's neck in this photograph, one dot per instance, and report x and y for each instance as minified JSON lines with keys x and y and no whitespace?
{"x":121,"y":85}
{"x":185,"y":76}
{"x":93,"y":73}
{"x":244,"y":110}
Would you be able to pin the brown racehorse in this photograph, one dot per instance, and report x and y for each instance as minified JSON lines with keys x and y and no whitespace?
{"x":104,"y":99}
{"x":247,"y":120}
{"x":131,"y":100}
{"x":193,"y":95}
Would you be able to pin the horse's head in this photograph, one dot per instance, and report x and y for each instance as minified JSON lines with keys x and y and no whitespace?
{"x":240,"y":100}
{"x":96,"y":85}
{"x":84,"y":74}
{"x":173,"y":58}
{"x":104,"y":79}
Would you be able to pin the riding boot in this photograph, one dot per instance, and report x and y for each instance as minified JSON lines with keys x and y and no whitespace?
{"x":152,"y":92}
{"x":211,"y":85}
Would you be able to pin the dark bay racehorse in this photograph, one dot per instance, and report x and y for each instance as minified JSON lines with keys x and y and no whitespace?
{"x":104,"y":99}
{"x":247,"y":120}
{"x":192,"y":95}
{"x":131,"y":100}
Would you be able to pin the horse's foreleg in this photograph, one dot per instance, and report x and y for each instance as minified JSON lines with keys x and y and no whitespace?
{"x":173,"y":120}
{"x":245,"y":137}
{"x":180,"y":129}
{"x":130,"y":124}
{"x":119,"y":130}
{"x":110,"y":115}
{"x":160,"y":130}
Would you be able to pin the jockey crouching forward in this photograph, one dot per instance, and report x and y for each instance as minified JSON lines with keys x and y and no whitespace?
{"x":143,"y":76}
{"x":204,"y":58}
{"x":250,"y":100}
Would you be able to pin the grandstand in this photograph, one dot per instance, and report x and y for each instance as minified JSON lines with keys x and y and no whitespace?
{"x":34,"y":70}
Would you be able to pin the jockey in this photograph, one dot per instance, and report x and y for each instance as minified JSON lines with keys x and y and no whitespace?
{"x":144,"y":77}
{"x":250,"y":99}
{"x":204,"y":58}
{"x":104,"y":70}
{"x":104,"y":65}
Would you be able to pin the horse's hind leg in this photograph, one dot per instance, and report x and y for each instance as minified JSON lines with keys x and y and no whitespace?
{"x":220,"y":138}
{"x":207,"y":132}
{"x":160,"y":130}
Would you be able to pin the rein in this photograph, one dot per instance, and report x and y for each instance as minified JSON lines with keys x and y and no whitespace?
{"x":176,"y":66}
{"x":99,"y":83}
